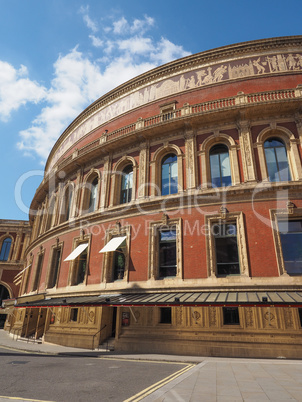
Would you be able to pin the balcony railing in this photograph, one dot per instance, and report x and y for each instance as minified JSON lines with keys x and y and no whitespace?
{"x":187,"y":110}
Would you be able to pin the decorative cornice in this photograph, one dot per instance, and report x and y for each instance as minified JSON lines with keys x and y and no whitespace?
{"x":224,"y":54}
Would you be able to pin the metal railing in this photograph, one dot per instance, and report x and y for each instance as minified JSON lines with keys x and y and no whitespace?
{"x":96,"y":335}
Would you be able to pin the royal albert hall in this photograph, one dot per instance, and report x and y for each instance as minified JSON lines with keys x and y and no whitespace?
{"x":169,"y":218}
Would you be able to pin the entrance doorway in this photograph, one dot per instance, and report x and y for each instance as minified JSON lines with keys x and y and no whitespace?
{"x":113,"y":325}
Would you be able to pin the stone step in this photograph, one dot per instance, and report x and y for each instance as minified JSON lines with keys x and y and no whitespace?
{"x":107,"y":345}
{"x":29,"y":340}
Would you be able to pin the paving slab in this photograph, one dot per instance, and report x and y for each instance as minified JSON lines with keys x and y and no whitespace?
{"x":208,"y":379}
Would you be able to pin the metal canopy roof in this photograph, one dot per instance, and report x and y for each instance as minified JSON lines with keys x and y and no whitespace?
{"x":281,"y":298}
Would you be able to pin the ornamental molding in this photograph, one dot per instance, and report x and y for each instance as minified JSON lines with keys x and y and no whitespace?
{"x":242,"y":61}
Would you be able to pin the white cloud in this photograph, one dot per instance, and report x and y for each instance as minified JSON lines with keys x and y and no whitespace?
{"x":121,"y":26}
{"x":136,"y":45}
{"x":96,"y":42}
{"x":166,"y":51}
{"x":88,"y":21}
{"x":16,"y":89}
{"x":141,"y":26}
{"x":80,"y":78}
{"x":74,"y":86}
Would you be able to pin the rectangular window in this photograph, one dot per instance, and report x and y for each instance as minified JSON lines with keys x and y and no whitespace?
{"x":226,"y":248}
{"x":165,"y":315}
{"x":54,"y":268}
{"x":167,"y":253}
{"x":300,"y":316}
{"x":80,"y":267}
{"x":291,"y":243}
{"x":230,"y":316}
{"x":38,"y":272}
{"x":74,"y":314}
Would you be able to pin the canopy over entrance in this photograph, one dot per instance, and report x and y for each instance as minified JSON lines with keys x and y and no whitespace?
{"x":206,"y":298}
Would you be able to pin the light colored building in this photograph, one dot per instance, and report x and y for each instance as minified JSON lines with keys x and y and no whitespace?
{"x":170,"y":213}
{"x":14,"y":239}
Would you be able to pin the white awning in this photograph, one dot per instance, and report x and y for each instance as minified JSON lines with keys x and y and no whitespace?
{"x":76,"y":252}
{"x":113,"y":244}
{"x":18,"y":278}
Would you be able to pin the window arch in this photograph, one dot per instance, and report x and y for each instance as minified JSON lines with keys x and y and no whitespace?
{"x":50,"y":215}
{"x":220,"y":166}
{"x":91,"y":190}
{"x":93,"y":195}
{"x":169,"y":174}
{"x":276,"y":160}
{"x":66,"y":204}
{"x":123,"y":181}
{"x":126,"y":184}
{"x":208,"y":147}
{"x":5,"y":249}
{"x":278,"y":146}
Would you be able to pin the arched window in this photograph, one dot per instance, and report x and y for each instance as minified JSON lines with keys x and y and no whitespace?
{"x":220,"y":166}
{"x":50,"y":214}
{"x":276,"y":160}
{"x":169,"y":177}
{"x":126,"y":184}
{"x":66,"y":207}
{"x":5,"y":249}
{"x":93,"y":195}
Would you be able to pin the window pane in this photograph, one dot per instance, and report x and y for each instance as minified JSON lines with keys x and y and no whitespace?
{"x":118,"y":264}
{"x":283,"y":164}
{"x":167,"y":253}
{"x":215,"y":171}
{"x":271,"y":164}
{"x":165,"y":315}
{"x":38,"y":272}
{"x":300,"y":315}
{"x":126,"y":185}
{"x":273,"y":142}
{"x":93,"y":195}
{"x":290,"y":226}
{"x":54,"y":267}
{"x":5,"y":249}
{"x":82,"y":265}
{"x":225,"y":164}
{"x":276,"y":160}
{"x":227,"y":257}
{"x":230,"y":316}
{"x":220,"y":166}
{"x":292,"y":252}
{"x":169,"y":179}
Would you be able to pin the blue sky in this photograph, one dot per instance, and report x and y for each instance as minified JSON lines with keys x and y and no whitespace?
{"x":58,"y":56}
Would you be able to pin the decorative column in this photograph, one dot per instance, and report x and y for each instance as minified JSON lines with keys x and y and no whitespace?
{"x":105,"y":182}
{"x":25,"y":244}
{"x":143,"y":179}
{"x":204,"y":169}
{"x":191,"y":160}
{"x":247,"y":153}
{"x":78,"y":192}
{"x":16,"y":246}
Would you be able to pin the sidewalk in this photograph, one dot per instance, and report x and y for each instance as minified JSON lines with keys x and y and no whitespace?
{"x":7,"y":341}
{"x":209,"y":379}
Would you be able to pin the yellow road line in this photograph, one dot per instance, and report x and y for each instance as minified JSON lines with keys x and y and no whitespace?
{"x":24,"y":399}
{"x":141,"y":360}
{"x":159,"y":384}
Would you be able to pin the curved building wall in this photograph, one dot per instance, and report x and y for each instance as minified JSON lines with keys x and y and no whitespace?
{"x":189,"y":175}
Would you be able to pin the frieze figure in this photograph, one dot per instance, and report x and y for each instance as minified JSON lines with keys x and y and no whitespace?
{"x":260,"y":68}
